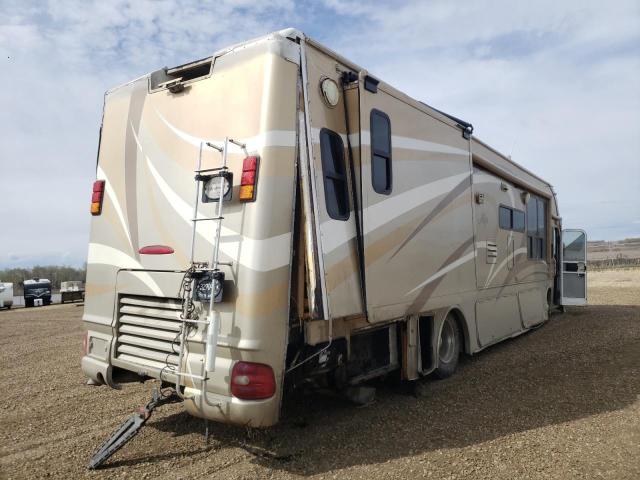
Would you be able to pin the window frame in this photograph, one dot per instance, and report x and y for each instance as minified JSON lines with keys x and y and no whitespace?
{"x":328,"y":175}
{"x":379,"y":153}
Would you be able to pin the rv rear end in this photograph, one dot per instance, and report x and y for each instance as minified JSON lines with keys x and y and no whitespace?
{"x":159,"y":133}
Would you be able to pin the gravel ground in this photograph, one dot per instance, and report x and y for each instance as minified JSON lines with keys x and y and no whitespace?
{"x":559,"y":402}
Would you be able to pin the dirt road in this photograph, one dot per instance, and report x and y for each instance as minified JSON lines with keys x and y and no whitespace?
{"x":559,"y":402}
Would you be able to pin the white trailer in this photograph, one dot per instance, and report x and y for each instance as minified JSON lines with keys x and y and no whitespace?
{"x":6,"y":295}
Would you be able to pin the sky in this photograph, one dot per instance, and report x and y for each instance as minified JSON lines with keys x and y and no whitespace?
{"x":554,"y":84}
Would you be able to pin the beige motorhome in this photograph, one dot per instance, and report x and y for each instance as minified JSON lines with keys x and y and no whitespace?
{"x":275,"y":215}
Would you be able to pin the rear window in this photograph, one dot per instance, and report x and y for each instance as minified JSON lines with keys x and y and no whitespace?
{"x":336,"y":191}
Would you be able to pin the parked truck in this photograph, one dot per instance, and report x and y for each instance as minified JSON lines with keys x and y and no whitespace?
{"x":275,"y":215}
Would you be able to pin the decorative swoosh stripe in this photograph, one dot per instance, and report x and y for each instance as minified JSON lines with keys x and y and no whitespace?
{"x":272,"y":138}
{"x":450,"y":197}
{"x":113,"y":198}
{"x":405,"y":143}
{"x":444,"y":270}
{"x":455,"y":260}
{"x":261,"y":255}
{"x":336,"y":233}
{"x":106,"y":255}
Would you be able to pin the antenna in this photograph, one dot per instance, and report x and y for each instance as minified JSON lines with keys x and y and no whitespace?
{"x":513,"y":146}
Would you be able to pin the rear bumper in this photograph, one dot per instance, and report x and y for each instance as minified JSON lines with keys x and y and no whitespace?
{"x":227,"y":409}
{"x":96,"y":370}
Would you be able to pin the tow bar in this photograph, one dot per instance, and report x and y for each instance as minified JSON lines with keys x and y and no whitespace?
{"x":130,"y":428}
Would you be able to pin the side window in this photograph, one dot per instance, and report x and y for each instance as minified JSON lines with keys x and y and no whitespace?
{"x":511,"y":219}
{"x":518,"y":220}
{"x":336,"y":191}
{"x":505,"y":218}
{"x":381,"y":174}
{"x":536,"y":227}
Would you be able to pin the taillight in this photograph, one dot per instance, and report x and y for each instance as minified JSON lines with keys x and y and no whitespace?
{"x":85,"y":343}
{"x":252,"y":381}
{"x":249,"y":179}
{"x":96,"y":197}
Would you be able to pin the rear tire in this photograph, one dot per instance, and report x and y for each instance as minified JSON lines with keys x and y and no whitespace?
{"x":449,"y":346}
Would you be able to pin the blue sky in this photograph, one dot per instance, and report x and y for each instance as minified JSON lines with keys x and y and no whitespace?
{"x":554,"y":84}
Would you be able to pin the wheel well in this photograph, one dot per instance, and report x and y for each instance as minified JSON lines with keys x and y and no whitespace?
{"x":462,"y":326}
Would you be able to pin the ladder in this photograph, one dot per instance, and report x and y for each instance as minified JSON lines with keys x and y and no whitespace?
{"x":198,"y":269}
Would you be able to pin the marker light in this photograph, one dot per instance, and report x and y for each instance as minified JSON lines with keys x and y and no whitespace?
{"x":249,"y":179}
{"x":97,"y":197}
{"x":155,"y":250}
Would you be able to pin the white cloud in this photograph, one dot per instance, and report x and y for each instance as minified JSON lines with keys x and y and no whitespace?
{"x":555,"y":81}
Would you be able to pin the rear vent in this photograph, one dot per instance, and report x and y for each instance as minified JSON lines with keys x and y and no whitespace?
{"x":148,"y":329}
{"x":171,"y":78}
{"x":492,"y":252}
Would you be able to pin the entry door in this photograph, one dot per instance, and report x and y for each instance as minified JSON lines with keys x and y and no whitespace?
{"x":574,"y":267}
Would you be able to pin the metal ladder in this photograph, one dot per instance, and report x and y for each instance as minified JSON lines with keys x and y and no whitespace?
{"x":132,"y":425}
{"x":199,"y":268}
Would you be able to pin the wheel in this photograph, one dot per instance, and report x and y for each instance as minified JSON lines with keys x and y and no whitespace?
{"x":448,"y":348}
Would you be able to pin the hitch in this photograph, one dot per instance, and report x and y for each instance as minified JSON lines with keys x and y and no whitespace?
{"x":130,"y":428}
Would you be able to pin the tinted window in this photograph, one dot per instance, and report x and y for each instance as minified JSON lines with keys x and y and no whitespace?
{"x":532,"y":215}
{"x":518,"y":220}
{"x":505,"y":218}
{"x":381,"y":174}
{"x":336,"y":191}
{"x":536,"y":227}
{"x":541,"y":216}
{"x":540,"y":250}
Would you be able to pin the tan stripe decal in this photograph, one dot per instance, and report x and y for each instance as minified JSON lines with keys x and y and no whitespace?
{"x":430,"y":287}
{"x":450,"y":197}
{"x":136,"y":106}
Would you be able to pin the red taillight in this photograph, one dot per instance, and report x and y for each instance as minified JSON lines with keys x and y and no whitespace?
{"x":155,"y":250}
{"x":85,"y":343}
{"x":249,"y":179}
{"x":96,"y":197}
{"x":252,"y":381}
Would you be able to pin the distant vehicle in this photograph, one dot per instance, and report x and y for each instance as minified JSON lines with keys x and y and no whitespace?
{"x":71,"y":291}
{"x":6,"y":295}
{"x":37,"y":291}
